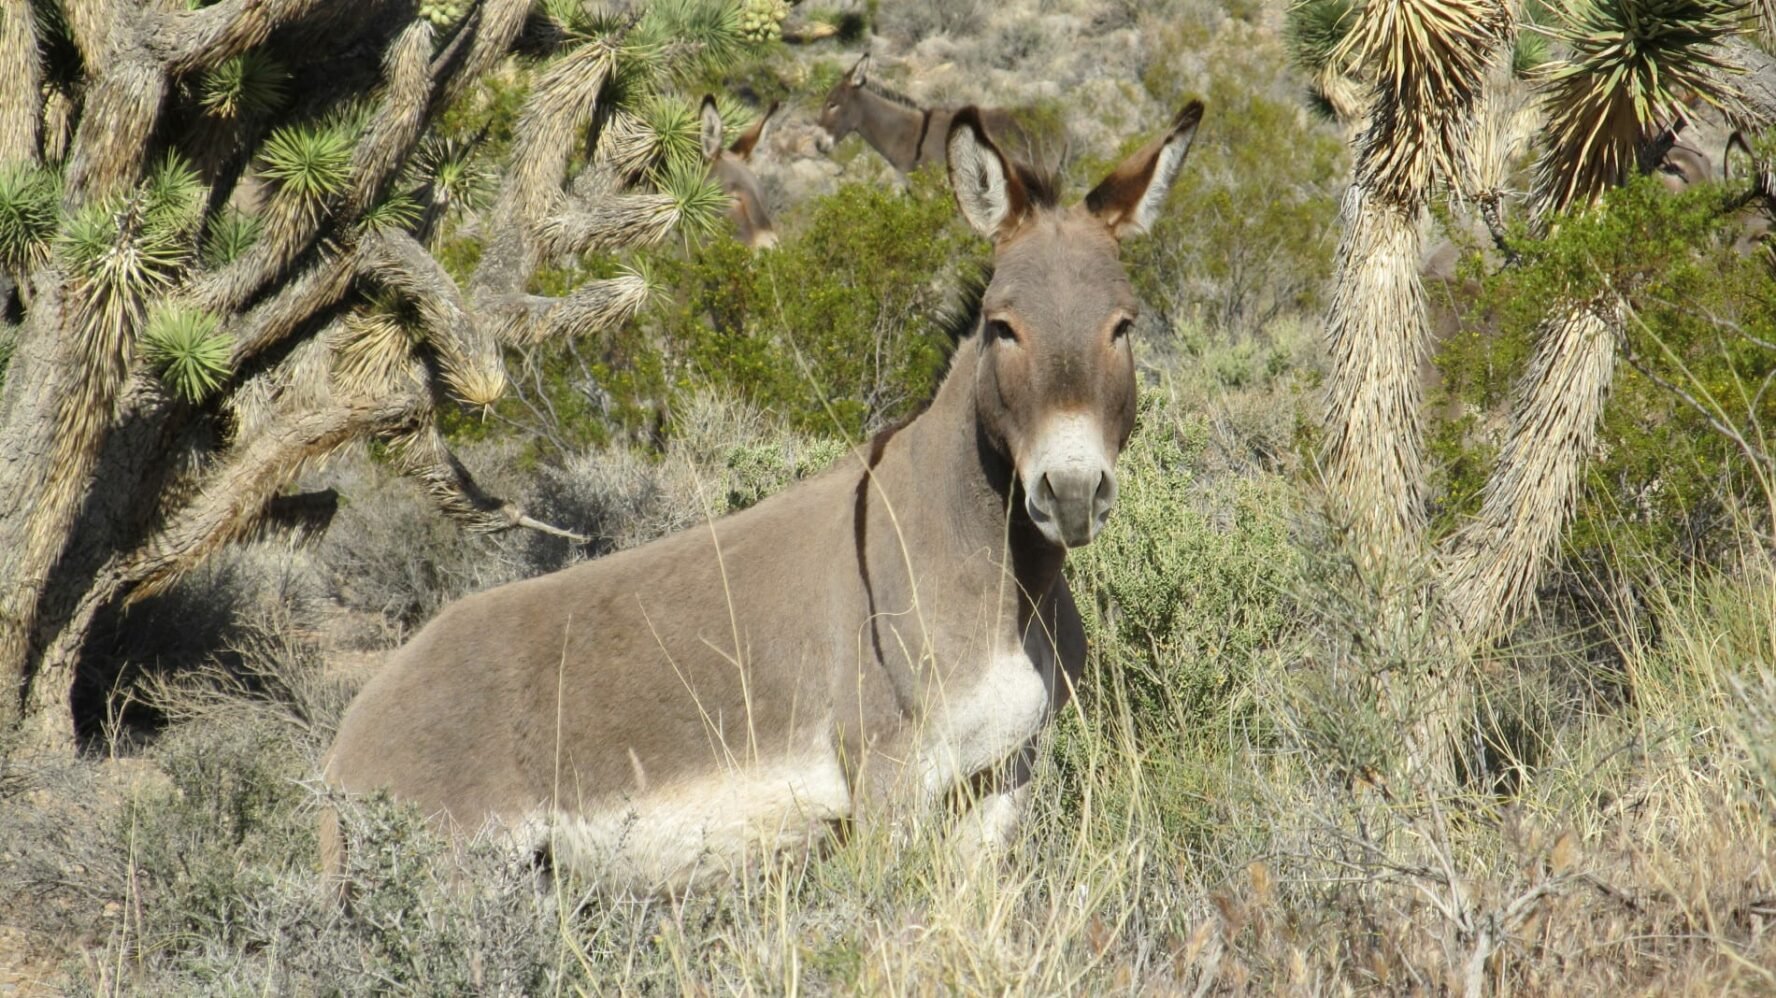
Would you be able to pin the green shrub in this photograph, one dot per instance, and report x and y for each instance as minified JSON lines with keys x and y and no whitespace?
{"x":1251,"y":230}
{"x":1665,"y":480}
{"x":840,"y":328}
{"x":1186,"y":586}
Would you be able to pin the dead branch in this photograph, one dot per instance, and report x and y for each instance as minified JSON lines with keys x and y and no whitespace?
{"x":424,"y":455}
{"x":189,"y":40}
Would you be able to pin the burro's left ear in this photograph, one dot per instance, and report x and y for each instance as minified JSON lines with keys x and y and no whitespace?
{"x":1128,"y":199}
{"x":987,"y":187}
{"x":711,"y":136}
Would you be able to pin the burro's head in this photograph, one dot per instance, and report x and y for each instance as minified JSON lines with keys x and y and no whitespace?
{"x":731,"y":167}
{"x":840,"y":112}
{"x":1056,"y":378}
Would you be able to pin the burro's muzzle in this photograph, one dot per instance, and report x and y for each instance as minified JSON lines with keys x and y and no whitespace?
{"x":1069,"y":484}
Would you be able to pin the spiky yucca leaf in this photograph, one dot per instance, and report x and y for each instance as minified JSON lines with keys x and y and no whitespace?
{"x":188,"y":348}
{"x":674,"y":126}
{"x":1428,"y":61}
{"x":1530,"y":53}
{"x":698,"y":202}
{"x":1315,"y":31}
{"x":684,"y":37}
{"x":1630,"y":66}
{"x":249,"y":84}
{"x":232,"y":233}
{"x":173,"y":198}
{"x":458,"y":180}
{"x":28,"y":206}
{"x":397,"y":211}
{"x":309,"y":162}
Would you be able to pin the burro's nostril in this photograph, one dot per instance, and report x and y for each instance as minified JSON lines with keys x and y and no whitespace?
{"x":1045,"y":495}
{"x":1103,"y":498}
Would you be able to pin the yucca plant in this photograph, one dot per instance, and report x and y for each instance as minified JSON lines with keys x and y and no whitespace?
{"x":1629,"y":68}
{"x":187,"y":347}
{"x":28,"y":197}
{"x":282,"y":295}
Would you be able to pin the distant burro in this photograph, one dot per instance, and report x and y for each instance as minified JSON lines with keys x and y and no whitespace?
{"x":875,"y":643}
{"x":909,"y":136}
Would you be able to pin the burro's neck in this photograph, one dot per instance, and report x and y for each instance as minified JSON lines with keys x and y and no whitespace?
{"x":892,"y":127}
{"x":953,"y":494}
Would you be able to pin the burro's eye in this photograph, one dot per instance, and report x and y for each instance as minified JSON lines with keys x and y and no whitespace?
{"x":1123,"y":326}
{"x":999,"y":329}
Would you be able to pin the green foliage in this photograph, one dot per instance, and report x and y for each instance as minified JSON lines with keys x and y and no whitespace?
{"x":1665,"y":480}
{"x":1315,"y":29}
{"x":232,"y":233}
{"x":841,"y":326}
{"x":1180,"y":598}
{"x":311,"y":162}
{"x":188,"y":349}
{"x":397,"y":211}
{"x":1250,"y":228}
{"x":28,"y":215}
{"x":249,"y":84}
{"x":698,"y":199}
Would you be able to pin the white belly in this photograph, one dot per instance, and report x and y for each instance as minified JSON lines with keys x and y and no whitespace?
{"x":697,"y":828}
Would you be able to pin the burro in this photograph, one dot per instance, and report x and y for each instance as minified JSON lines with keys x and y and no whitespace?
{"x":872,"y":645}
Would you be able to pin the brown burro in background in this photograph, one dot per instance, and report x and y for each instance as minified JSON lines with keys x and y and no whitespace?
{"x":732,"y":169}
{"x":908,"y":136}
{"x":877,"y":642}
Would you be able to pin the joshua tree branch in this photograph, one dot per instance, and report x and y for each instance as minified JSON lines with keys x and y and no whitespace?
{"x":234,"y":496}
{"x":322,"y":285}
{"x":401,"y":116}
{"x":467,"y":351}
{"x":21,"y":100}
{"x":187,"y":41}
{"x":424,"y":455}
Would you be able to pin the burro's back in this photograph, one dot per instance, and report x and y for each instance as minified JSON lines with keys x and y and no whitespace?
{"x":855,"y":649}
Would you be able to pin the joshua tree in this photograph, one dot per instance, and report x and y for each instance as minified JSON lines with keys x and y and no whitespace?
{"x":1442,"y":113}
{"x":1437,"y":116}
{"x":217,"y":235}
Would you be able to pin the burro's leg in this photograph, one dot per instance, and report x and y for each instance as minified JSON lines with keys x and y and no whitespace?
{"x":992,"y":809}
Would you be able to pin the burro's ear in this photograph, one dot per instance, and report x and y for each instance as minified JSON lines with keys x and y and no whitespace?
{"x":712,"y":128}
{"x":1128,"y":199}
{"x":987,"y":187}
{"x":749,"y":139}
{"x":859,"y":74}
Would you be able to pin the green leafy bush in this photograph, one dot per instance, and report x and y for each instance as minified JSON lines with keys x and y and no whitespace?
{"x":1701,"y":324}
{"x":1251,"y":228}
{"x":839,"y":329}
{"x":1185,"y":586}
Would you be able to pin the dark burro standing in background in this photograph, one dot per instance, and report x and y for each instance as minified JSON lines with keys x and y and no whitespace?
{"x":887,"y":636}
{"x":906,"y":135}
{"x":732,"y":169}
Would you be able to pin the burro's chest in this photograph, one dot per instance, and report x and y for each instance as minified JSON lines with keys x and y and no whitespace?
{"x":977,"y":718}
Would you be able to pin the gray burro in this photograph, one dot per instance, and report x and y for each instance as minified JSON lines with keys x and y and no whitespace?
{"x":879,"y":641}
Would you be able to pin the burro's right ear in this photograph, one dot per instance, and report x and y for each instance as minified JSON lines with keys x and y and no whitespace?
{"x":711,"y":133}
{"x":1128,"y":200}
{"x":987,"y":187}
